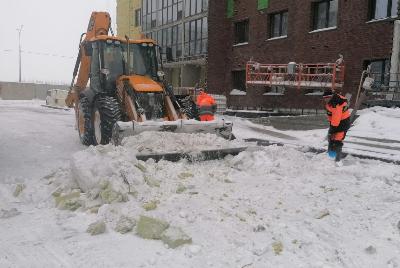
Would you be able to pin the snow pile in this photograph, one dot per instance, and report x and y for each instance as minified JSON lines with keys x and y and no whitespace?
{"x":379,"y":122}
{"x":162,"y":142}
{"x":99,"y":165}
{"x":266,"y":207}
{"x":276,"y":207}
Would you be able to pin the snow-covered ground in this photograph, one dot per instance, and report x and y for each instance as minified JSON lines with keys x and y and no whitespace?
{"x":375,"y":133}
{"x":267,"y":207}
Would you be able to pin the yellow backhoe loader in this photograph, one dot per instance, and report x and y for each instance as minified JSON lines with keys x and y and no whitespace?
{"x":128,"y":93}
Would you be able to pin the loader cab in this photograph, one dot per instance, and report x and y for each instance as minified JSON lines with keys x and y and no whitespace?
{"x":142,"y":59}
{"x":107,"y":64}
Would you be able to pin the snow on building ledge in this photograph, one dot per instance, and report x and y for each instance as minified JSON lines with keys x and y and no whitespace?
{"x":324,"y":29}
{"x":274,"y":94}
{"x":315,"y":93}
{"x":237,"y":92}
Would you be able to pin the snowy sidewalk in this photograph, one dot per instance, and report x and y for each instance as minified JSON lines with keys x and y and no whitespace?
{"x":34,"y":139}
{"x":375,"y":134}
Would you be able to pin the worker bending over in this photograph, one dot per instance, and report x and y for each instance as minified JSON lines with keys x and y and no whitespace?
{"x":339,"y":118}
{"x":206,"y":105}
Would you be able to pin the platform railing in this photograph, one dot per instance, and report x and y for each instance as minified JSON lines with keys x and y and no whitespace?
{"x":318,"y":75}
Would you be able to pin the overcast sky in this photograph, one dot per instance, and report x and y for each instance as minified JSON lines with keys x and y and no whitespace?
{"x":50,"y":27}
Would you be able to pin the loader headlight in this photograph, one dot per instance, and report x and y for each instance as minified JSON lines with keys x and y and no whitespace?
{"x":160,"y":74}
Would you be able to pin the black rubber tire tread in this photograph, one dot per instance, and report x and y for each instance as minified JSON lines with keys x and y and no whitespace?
{"x":110,"y":113}
{"x":87,"y":136}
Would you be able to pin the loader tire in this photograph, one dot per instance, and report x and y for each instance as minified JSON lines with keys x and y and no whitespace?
{"x":106,"y":112}
{"x":85,"y":127}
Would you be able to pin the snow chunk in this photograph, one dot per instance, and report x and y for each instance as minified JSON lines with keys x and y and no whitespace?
{"x":151,"y":228}
{"x":151,"y":205}
{"x":96,"y":228}
{"x":68,"y":201}
{"x":277,"y":247}
{"x":323,"y":213}
{"x":109,"y":195}
{"x":5,"y":214}
{"x":370,"y":250}
{"x":18,"y":189}
{"x":125,"y":224}
{"x":175,"y":237}
{"x":98,"y":165}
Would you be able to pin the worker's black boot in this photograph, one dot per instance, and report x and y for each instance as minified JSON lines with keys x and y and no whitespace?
{"x":338,"y":150}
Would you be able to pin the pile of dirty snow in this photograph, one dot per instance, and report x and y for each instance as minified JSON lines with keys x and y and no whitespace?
{"x":167,"y":142}
{"x":275,"y":206}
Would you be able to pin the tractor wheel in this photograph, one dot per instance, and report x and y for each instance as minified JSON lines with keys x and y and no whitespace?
{"x":85,"y":128}
{"x":106,"y":112}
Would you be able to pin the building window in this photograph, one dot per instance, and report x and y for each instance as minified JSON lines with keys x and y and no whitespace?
{"x":241,"y":32}
{"x":380,"y":9}
{"x":193,"y":7}
{"x":161,"y":12}
{"x":239,"y":80}
{"x":138,"y":17}
{"x":230,"y":8}
{"x":380,"y":72}
{"x":262,"y":4}
{"x":196,"y":34}
{"x":178,"y":40}
{"x":325,"y":14}
{"x":278,"y":24}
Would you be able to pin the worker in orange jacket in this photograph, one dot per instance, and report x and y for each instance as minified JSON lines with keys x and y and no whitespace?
{"x":206,"y":105}
{"x":339,"y":122}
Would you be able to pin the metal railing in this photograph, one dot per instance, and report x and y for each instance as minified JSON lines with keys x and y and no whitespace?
{"x":319,"y":75}
{"x":384,"y":86}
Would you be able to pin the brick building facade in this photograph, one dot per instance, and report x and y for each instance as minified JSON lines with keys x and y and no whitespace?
{"x":283,"y":31}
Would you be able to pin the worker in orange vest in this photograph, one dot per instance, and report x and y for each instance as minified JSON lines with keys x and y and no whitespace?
{"x":206,"y":105}
{"x":339,"y":122}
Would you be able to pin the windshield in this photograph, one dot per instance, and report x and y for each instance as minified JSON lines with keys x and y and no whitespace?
{"x":113,"y":59}
{"x":143,"y":60}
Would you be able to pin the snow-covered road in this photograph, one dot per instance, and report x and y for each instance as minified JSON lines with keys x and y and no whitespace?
{"x":267,"y":207}
{"x":34,"y":139}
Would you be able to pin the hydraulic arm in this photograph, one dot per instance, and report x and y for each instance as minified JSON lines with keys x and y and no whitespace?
{"x":99,"y":24}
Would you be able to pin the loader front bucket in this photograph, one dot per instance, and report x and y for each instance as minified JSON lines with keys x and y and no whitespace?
{"x":219,"y":127}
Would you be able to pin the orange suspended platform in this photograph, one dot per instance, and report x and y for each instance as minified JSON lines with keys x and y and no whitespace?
{"x":318,"y":75}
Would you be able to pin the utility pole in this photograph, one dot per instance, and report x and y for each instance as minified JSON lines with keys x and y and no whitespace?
{"x":19,"y":49}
